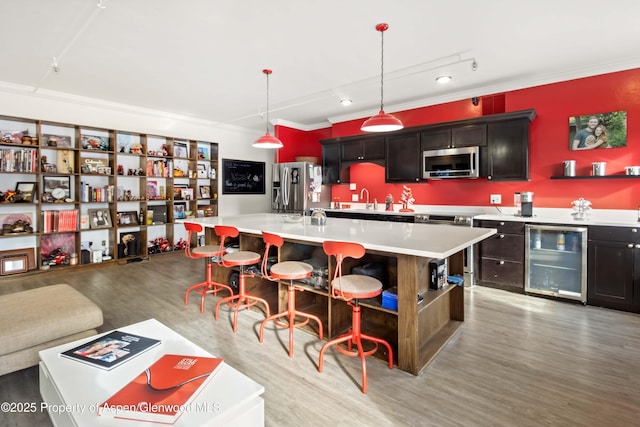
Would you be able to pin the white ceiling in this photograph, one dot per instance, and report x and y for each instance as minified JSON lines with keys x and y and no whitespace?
{"x":203,"y":59}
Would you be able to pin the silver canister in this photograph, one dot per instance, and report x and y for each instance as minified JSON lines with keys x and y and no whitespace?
{"x":569,"y":168}
{"x":599,"y":168}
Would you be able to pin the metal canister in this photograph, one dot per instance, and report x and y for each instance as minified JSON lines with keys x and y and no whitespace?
{"x":569,"y":168}
{"x":599,"y":168}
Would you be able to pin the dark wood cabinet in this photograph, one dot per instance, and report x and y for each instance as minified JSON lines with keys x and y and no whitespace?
{"x":435,"y":139}
{"x":404,"y":158}
{"x":613,"y":272}
{"x":332,"y":171}
{"x":362,"y":150}
{"x":469,"y":136}
{"x":500,"y":262}
{"x":507,"y":156}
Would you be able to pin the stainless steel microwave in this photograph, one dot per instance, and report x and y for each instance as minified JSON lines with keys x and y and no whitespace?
{"x":460,"y":162}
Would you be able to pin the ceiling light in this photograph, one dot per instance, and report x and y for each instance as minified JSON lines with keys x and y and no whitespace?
{"x":443,"y":79}
{"x":381,"y":122}
{"x":54,"y":65}
{"x":101,"y":4}
{"x":267,"y":140}
{"x":345,"y":101}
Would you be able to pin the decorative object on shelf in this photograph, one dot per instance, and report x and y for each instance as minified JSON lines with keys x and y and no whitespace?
{"x":382,"y":122}
{"x":581,"y":208}
{"x":388,"y":203}
{"x":100,"y":218}
{"x":56,"y":141}
{"x":267,"y":140}
{"x":56,"y":189}
{"x":569,"y":167}
{"x":599,"y":168}
{"x":128,"y":218}
{"x":159,"y":245}
{"x":201,"y":171}
{"x":25,"y":192}
{"x":20,"y":137}
{"x":129,"y":244}
{"x":406,"y":199}
{"x":180,"y":149}
{"x":205,"y":191}
{"x":632,"y":170}
{"x":179,"y":210}
{"x":16,"y":223}
{"x":65,"y":160}
{"x":203,"y":153}
{"x":93,"y":142}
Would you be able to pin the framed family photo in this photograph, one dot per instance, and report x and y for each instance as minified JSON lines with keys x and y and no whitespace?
{"x":600,"y":130}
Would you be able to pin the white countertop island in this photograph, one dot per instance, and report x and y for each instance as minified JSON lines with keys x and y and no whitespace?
{"x":425,"y":319}
{"x":423,"y":240}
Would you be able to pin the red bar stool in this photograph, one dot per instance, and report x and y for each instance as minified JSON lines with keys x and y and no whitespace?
{"x":207,"y":252}
{"x":238,"y":259}
{"x":351,"y":288}
{"x":286,"y":270}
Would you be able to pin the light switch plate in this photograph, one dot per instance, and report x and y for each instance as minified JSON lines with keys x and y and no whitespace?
{"x":354,"y":197}
{"x":352,"y":186}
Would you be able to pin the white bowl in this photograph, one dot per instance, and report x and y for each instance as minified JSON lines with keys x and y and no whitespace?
{"x":292,"y":218}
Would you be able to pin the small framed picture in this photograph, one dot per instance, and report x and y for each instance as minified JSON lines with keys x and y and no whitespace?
{"x":13,"y":264}
{"x":25,"y":191}
{"x":99,"y":218}
{"x":180,"y":150}
{"x":128,"y":218}
{"x":179,"y":210}
{"x":205,"y":191}
{"x":57,"y":188}
{"x":59,"y":141}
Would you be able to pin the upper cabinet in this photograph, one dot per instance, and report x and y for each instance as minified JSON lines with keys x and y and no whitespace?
{"x":503,"y":140}
{"x":507,"y":156}
{"x":363,"y":150}
{"x":404,"y":160}
{"x":472,"y":135}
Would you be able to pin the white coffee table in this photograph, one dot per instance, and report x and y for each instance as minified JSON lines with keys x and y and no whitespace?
{"x":72,"y":390}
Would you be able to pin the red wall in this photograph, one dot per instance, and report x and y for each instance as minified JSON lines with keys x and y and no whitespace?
{"x":300,"y":143}
{"x":548,"y":147}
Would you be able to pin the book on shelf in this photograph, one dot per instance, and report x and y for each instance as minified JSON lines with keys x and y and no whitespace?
{"x":111,"y":350}
{"x":163,"y":391}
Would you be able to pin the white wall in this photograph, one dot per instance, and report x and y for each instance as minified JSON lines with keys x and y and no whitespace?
{"x":234,"y":142}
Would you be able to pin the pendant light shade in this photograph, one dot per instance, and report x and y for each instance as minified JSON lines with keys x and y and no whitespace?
{"x":267,"y":140}
{"x":382,"y":122}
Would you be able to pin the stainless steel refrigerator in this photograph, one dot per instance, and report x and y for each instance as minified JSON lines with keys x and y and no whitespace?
{"x":297,"y":188}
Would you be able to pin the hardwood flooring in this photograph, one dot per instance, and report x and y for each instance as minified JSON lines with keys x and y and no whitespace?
{"x":517,"y":360}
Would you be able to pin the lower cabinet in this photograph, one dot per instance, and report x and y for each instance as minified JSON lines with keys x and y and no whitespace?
{"x":613,"y":272}
{"x":501,"y":256}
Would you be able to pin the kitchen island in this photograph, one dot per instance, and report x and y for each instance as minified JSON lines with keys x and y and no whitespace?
{"x":425,"y":319}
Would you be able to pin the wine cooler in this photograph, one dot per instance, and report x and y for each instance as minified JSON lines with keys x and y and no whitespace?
{"x":556,"y":261}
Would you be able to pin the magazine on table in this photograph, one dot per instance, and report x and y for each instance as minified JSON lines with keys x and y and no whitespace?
{"x":111,"y":350}
{"x":163,"y":391}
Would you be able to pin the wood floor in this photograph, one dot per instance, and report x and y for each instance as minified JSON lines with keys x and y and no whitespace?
{"x":518,"y":360}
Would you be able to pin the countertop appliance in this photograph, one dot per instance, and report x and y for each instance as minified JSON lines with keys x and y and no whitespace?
{"x":297,"y":188}
{"x":458,"y":219}
{"x":463,"y":162}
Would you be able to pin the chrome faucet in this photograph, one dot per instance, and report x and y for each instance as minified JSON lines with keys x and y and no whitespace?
{"x":368,"y":206}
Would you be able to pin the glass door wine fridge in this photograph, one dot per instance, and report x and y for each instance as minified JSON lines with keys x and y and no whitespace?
{"x":556,"y":261}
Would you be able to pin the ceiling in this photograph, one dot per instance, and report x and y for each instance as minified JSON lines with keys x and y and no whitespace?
{"x":203,"y":59}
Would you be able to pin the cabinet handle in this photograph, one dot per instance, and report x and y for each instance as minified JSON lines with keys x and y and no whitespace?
{"x":630,"y":245}
{"x":417,"y":179}
{"x":501,"y":262}
{"x":501,"y":236}
{"x":501,"y":223}
{"x":637,"y":246}
{"x":634,"y":230}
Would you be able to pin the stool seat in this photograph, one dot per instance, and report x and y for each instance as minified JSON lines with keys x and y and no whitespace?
{"x":291,"y":270}
{"x":357,"y":286}
{"x":206,"y":250}
{"x":241,"y":258}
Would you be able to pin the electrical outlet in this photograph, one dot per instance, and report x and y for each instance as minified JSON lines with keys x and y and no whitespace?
{"x":496,"y":199}
{"x":354,"y":197}
{"x":352,"y":186}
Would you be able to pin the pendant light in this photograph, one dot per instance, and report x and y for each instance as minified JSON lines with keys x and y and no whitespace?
{"x":382,"y":122}
{"x":267,"y":140}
